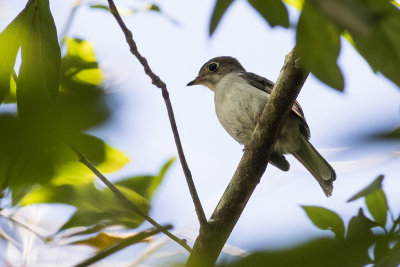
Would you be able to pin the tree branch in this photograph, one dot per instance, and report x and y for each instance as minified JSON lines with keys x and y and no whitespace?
{"x":120,"y":245}
{"x":213,"y":236}
{"x":160,"y":84}
{"x":84,"y":160}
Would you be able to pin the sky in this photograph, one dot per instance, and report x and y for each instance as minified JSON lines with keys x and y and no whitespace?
{"x":176,"y":44}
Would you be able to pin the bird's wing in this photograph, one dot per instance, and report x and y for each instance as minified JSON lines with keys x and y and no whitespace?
{"x":267,"y":86}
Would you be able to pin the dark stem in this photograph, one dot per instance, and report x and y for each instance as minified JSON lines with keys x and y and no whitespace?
{"x":84,"y":160}
{"x":121,"y":245}
{"x":212,"y":238}
{"x":160,"y":84}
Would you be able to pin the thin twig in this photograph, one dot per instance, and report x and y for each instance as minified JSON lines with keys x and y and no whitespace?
{"x":121,"y":245}
{"x":160,"y":84}
{"x":69,"y":21}
{"x":84,"y":160}
{"x":27,"y":227}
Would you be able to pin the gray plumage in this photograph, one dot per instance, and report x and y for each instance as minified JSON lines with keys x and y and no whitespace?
{"x":240,"y":97}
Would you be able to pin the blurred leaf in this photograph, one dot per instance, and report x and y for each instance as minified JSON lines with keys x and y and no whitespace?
{"x":100,"y":208}
{"x":325,"y":219}
{"x":39,"y":75}
{"x":394,"y":134}
{"x":103,"y":240}
{"x":12,"y":96}
{"x":146,"y":185}
{"x":153,"y":7}
{"x":391,"y":259}
{"x":346,"y":14}
{"x":98,"y":6}
{"x":80,"y":62}
{"x":68,"y":170}
{"x":320,"y":252}
{"x":295,"y":3}
{"x":377,"y":206}
{"x":86,"y":231}
{"x":318,"y":46}
{"x":273,"y":11}
{"x":94,"y":206}
{"x":139,"y":237}
{"x":10,"y":41}
{"x":22,"y":163}
{"x":220,"y":7}
{"x":381,"y":48}
{"x":360,"y":228}
{"x":375,"y":185}
{"x":381,"y":249}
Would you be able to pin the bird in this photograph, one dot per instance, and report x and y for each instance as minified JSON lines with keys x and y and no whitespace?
{"x":241,"y":96}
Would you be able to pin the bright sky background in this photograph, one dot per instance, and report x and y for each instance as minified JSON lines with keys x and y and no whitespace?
{"x":340,"y":123}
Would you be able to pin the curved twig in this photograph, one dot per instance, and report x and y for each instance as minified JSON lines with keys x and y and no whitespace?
{"x":160,"y":84}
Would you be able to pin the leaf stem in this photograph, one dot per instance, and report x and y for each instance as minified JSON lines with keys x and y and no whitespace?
{"x":84,"y":160}
{"x":160,"y":84}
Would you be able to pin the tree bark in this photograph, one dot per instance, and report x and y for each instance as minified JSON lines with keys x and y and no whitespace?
{"x":215,"y":233}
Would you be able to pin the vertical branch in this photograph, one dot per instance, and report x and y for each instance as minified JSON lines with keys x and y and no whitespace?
{"x":160,"y":84}
{"x":213,"y":236}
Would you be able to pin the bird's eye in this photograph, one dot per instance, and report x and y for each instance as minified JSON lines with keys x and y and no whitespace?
{"x":213,"y":67}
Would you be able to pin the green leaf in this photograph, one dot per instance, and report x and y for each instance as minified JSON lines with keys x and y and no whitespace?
{"x":346,"y":14}
{"x":146,"y":185}
{"x":298,"y":4}
{"x":94,"y":206}
{"x":320,"y":252}
{"x":10,"y":41}
{"x":273,"y":11}
{"x":360,"y":228}
{"x":377,"y":206}
{"x":39,"y":75}
{"x":104,"y":240}
{"x":100,"y":208}
{"x":98,"y":6}
{"x":153,"y":7}
{"x":68,"y":170}
{"x":325,"y":219}
{"x":392,"y":258}
{"x":395,"y":134}
{"x":318,"y":46}
{"x":381,"y":48}
{"x":79,"y":64}
{"x":381,"y":249}
{"x":220,"y":7}
{"x":375,"y":185}
{"x":22,"y":162}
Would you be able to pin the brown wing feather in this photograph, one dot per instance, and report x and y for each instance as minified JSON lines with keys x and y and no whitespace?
{"x":267,"y":86}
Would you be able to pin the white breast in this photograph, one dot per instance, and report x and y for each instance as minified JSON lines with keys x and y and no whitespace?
{"x":237,"y":104}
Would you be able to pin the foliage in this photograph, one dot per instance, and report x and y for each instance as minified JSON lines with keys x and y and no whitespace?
{"x":57,"y":99}
{"x":372,"y":27}
{"x":349,"y":250}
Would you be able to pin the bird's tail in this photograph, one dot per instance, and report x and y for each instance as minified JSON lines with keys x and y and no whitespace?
{"x":316,"y":165}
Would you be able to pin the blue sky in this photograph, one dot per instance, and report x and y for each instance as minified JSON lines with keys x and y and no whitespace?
{"x":340,"y":123}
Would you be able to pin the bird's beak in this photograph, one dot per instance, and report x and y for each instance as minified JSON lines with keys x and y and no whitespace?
{"x":198,"y":80}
